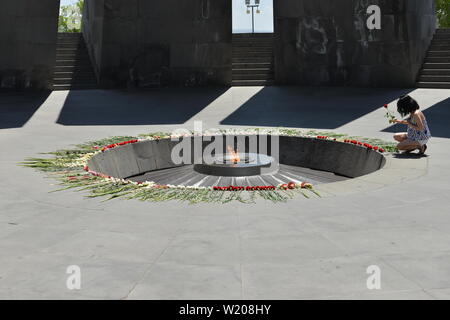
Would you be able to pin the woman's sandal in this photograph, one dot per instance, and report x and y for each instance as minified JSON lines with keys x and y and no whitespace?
{"x":423,"y":149}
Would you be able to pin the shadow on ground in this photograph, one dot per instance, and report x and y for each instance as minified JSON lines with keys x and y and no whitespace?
{"x":165,"y":106}
{"x":16,"y":109}
{"x":409,"y":155}
{"x":437,"y":117}
{"x":303,"y":107}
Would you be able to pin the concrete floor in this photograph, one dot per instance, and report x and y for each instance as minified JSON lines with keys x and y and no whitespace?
{"x":302,"y":249}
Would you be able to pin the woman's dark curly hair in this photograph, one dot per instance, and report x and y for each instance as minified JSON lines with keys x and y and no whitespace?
{"x":407,"y":105}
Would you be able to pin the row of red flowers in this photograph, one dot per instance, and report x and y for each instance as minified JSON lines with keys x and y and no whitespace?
{"x":235,"y":188}
{"x":368,"y":146}
{"x":112,"y":146}
{"x":325,"y":138}
{"x":96,"y":174}
{"x":363,"y":144}
{"x":355,"y":142}
{"x":287,"y":186}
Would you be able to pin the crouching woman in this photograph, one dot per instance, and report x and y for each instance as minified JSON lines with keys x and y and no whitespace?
{"x":418,"y":134}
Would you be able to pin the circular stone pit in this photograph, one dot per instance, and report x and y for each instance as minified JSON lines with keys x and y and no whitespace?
{"x":300,"y":159}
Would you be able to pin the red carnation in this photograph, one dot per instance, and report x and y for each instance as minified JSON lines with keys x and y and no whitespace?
{"x":291,"y":185}
{"x":386,"y":106}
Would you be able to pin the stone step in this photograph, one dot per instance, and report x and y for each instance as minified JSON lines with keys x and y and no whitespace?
{"x":436,"y":66}
{"x":253,"y":35}
{"x":442,"y":37}
{"x":253,"y":60}
{"x":69,"y":34}
{"x":71,"y":55}
{"x":73,"y":68}
{"x":446,"y":30}
{"x":69,"y":40}
{"x":253,"y":76}
{"x":253,"y":65}
{"x":64,"y":40}
{"x":252,"y":51}
{"x":264,"y":41}
{"x":251,"y":45}
{"x":440,"y":42}
{"x":60,"y":87}
{"x":74,"y":75}
{"x":244,"y":83}
{"x":252,"y":38}
{"x":253,"y":71}
{"x":74,"y":40}
{"x":435,"y":72}
{"x":443,"y":53}
{"x":73,"y":63}
{"x":80,"y":48}
{"x":58,"y":81}
{"x":268,"y":55}
{"x":438,"y":59}
{"x":434,"y":78}
{"x":436,"y":47}
{"x":434,"y":85}
{"x":72,"y":46}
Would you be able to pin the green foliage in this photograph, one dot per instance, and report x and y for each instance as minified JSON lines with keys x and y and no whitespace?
{"x":70,"y":17}
{"x":443,"y":13}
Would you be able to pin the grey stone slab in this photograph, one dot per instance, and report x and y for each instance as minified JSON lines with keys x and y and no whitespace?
{"x":104,"y":163}
{"x":440,"y":294}
{"x":121,"y":246}
{"x":125,"y":161}
{"x":203,"y":249}
{"x":44,"y":276}
{"x":145,"y":154}
{"x":175,"y":281}
{"x":390,"y":240}
{"x":430,"y":270}
{"x":288,"y":249}
{"x":264,"y":225}
{"x":320,"y":279}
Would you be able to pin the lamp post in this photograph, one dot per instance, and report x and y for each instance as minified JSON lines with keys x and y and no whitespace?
{"x":251,"y":6}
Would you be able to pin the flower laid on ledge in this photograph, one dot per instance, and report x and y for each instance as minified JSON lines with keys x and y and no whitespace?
{"x":363,"y":144}
{"x":112,"y":146}
{"x":70,"y":168}
{"x":355,"y":142}
{"x":286,"y":186}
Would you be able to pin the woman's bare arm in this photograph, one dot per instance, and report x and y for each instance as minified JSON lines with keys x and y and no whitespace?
{"x":419,"y":122}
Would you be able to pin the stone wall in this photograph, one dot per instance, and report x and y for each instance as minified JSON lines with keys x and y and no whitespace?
{"x":153,"y":43}
{"x":92,"y":29}
{"x":144,"y":43}
{"x":326,"y":42}
{"x":28,"y":31}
